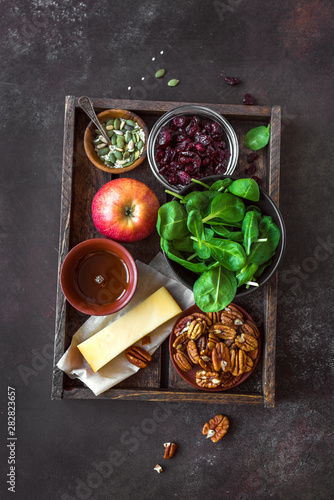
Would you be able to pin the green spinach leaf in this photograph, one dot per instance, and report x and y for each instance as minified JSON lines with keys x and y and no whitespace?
{"x":221,"y":184}
{"x":245,"y":188}
{"x":197,"y":267}
{"x":250,"y":228}
{"x":257,"y":138}
{"x":227,"y":207}
{"x":215,"y":289}
{"x":228,"y":253}
{"x":264,"y":250}
{"x":195,"y":226}
{"x":246,"y":274}
{"x":172,"y":221}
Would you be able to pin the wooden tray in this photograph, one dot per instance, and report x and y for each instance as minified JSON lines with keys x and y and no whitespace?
{"x":80,"y":181}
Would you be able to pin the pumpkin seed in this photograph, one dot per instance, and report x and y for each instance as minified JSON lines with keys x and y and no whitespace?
{"x":122,"y":162}
{"x":131,"y":145}
{"x":118,"y":155}
{"x":103,"y":151}
{"x":110,"y":122}
{"x":122,"y":124}
{"x":118,"y":132}
{"x":117,"y":123}
{"x":140,"y":145}
{"x":110,"y":133}
{"x":109,"y":163}
{"x":160,"y":73}
{"x":173,"y":83}
{"x":128,"y":136}
{"x":109,"y":127}
{"x":137,"y":154}
{"x":112,"y":158}
{"x":131,"y":122}
{"x":128,"y":127}
{"x":128,"y":164}
{"x":126,"y":155}
{"x":132,"y":157}
{"x":113,"y":140}
{"x":102,"y":145}
{"x":120,"y":141}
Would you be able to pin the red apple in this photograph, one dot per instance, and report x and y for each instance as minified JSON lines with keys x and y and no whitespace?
{"x":125,"y":210}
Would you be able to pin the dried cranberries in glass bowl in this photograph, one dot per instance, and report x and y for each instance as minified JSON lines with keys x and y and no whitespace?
{"x":191,"y":142}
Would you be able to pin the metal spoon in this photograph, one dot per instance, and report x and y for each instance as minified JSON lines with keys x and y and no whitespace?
{"x":87,"y":106}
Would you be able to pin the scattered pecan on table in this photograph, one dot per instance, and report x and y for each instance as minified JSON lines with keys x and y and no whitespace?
{"x":216,"y":428}
{"x":170,"y":450}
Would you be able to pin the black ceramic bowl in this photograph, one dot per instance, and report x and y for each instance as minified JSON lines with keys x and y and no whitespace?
{"x":267,"y":207}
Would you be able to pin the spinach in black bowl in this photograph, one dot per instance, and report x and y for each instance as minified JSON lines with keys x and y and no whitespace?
{"x":222,"y":237}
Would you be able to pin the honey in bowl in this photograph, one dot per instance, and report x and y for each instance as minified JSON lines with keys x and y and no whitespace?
{"x":101,"y":278}
{"x":98,"y":276}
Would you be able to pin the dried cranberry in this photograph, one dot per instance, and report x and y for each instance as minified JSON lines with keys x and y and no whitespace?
{"x":179,"y":121}
{"x":181,"y":136}
{"x":184,"y":177}
{"x":248,"y":100}
{"x":172,"y":179}
{"x":204,"y":139}
{"x":164,"y":136}
{"x":192,"y":129}
{"x":251,"y":169}
{"x":257,"y":179}
{"x":252,"y":157}
{"x":200,"y":147}
{"x":232,"y":80}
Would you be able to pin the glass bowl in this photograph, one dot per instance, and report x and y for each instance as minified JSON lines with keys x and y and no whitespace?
{"x":267,"y":207}
{"x":203,"y":112}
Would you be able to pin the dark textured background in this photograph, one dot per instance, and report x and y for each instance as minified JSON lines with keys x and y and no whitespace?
{"x":283,"y":52}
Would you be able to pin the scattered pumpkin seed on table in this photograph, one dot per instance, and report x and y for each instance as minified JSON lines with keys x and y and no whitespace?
{"x":160,"y":73}
{"x":173,"y":83}
{"x":127,"y":142}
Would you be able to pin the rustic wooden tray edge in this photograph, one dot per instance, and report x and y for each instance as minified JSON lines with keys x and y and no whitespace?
{"x":268,"y":376}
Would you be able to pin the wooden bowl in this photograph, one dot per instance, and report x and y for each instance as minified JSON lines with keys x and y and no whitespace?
{"x":71,"y":264}
{"x":90,"y":135}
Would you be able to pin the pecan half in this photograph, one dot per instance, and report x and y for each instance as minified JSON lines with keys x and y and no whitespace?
{"x":195,"y":330}
{"x":183,"y":324}
{"x":193,"y":352}
{"x":213,"y":317}
{"x":207,"y":379}
{"x":170,"y":450}
{"x":248,"y":364}
{"x":201,"y":343}
{"x":250,"y":328}
{"x":216,"y":428}
{"x":246,"y":342}
{"x":212,"y":341}
{"x":206,"y":364}
{"x":221,"y":358}
{"x":182,"y":361}
{"x":138,"y":356}
{"x":232,"y":316}
{"x":203,"y":317}
{"x":253,"y":354}
{"x":158,"y":468}
{"x":238,"y":361}
{"x":181,"y":341}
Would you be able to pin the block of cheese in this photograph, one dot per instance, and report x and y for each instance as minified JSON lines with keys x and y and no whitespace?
{"x":129,"y":328}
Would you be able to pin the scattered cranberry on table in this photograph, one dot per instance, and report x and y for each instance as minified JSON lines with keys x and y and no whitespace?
{"x":248,"y":100}
{"x":251,"y":169}
{"x":232,"y":80}
{"x":191,"y":147}
{"x":252,"y":157}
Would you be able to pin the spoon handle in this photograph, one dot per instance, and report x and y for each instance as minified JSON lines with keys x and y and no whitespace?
{"x":86,"y":105}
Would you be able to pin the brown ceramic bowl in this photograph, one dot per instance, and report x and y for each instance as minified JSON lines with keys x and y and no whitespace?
{"x":90,"y":136}
{"x":73,"y":265}
{"x":190,"y":376}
